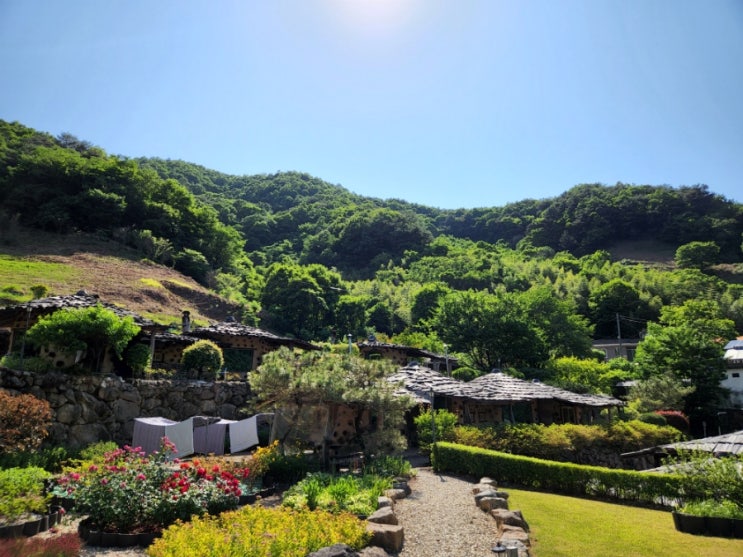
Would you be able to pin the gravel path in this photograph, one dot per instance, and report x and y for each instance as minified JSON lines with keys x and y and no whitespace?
{"x":440,"y":518}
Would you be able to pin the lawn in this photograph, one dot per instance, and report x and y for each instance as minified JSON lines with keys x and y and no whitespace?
{"x":569,"y":526}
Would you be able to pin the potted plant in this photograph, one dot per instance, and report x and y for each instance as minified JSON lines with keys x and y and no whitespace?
{"x":711,"y":517}
{"x":24,"y":502}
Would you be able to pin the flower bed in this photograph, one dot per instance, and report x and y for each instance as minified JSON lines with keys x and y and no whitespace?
{"x":129,"y":492}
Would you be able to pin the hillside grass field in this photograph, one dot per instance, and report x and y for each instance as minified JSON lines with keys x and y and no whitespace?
{"x":564,"y":526}
{"x":119,"y":275}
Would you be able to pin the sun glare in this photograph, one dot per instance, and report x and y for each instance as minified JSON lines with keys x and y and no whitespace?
{"x":373,"y":17}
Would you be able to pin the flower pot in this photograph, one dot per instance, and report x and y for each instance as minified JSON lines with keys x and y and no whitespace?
{"x":31,"y":527}
{"x":720,"y":527}
{"x":11,"y":530}
{"x":88,"y":534}
{"x":736,"y":525}
{"x":689,"y":523}
{"x":146,"y":538}
{"x":109,"y":539}
{"x":247,"y":499}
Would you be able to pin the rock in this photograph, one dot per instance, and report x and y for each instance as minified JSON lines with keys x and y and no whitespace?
{"x":373,"y":551}
{"x":398,"y":483}
{"x":396,"y":494}
{"x":337,"y":550}
{"x":505,"y":517}
{"x":383,"y":501}
{"x":486,"y":493}
{"x":513,"y":534}
{"x":387,"y":536}
{"x":488,"y":481}
{"x":489,"y":503}
{"x":385,"y":515}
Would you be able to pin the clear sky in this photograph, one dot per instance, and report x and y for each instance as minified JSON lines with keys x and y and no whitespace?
{"x":448,"y":103}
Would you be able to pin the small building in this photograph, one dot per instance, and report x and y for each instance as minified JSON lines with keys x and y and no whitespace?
{"x":617,"y":348}
{"x":403,"y":355}
{"x":243,"y":346}
{"x":497,"y":397}
{"x":19,"y":318}
{"x":734,"y":372}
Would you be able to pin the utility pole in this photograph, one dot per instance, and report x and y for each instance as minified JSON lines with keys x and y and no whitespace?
{"x":619,"y":334}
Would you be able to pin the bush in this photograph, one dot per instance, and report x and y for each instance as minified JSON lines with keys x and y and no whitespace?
{"x":137,"y":357}
{"x":445,"y":424}
{"x":355,"y":494}
{"x":559,"y":477}
{"x":40,"y":291}
{"x":22,"y":492}
{"x":50,"y":459}
{"x":255,"y":531}
{"x":204,"y":358}
{"x":25,"y":420}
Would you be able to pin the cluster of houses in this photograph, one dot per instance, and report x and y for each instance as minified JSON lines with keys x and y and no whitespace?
{"x":424,"y":375}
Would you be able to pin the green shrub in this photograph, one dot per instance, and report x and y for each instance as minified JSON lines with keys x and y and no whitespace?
{"x":710,"y":507}
{"x":558,"y":477}
{"x":389,"y":466}
{"x":255,"y":531}
{"x":345,"y":493}
{"x":137,"y":357}
{"x":50,"y":459}
{"x":204,"y":358}
{"x":445,"y":424}
{"x":40,"y":291}
{"x":23,"y":491}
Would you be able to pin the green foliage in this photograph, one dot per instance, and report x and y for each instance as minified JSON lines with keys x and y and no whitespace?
{"x":713,"y":508}
{"x":567,"y":442}
{"x":296,"y":383}
{"x":558,"y":477}
{"x":583,"y":376}
{"x":92,"y":330}
{"x":389,"y":466}
{"x":203,"y":358}
{"x":445,"y":423}
{"x":22,"y":492}
{"x":25,"y":421}
{"x":659,"y":392}
{"x":50,"y":459}
{"x":255,"y":531}
{"x":345,"y":493}
{"x":137,"y":357}
{"x":704,"y":477}
{"x":697,"y":255}
{"x":39,"y":290}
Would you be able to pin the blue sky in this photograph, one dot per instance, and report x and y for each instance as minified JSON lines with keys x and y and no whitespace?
{"x":448,"y":103}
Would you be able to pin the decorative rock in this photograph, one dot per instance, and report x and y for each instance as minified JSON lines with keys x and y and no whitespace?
{"x":487,"y":504}
{"x":396,"y":494}
{"x":383,"y":501}
{"x":511,"y":518}
{"x":488,"y":481}
{"x":373,"y":551}
{"x":486,"y":493}
{"x":385,"y":515}
{"x":387,"y":536}
{"x":399,"y":483}
{"x":337,"y":550}
{"x":513,"y":534}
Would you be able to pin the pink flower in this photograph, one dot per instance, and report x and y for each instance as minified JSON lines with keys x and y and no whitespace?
{"x":93,"y":468}
{"x":104,"y":481}
{"x":140,"y":476}
{"x":75,"y":476}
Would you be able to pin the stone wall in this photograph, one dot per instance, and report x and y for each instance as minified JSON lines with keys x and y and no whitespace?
{"x":91,"y":408}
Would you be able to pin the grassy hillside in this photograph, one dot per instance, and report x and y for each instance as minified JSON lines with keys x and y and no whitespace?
{"x":68,"y":263}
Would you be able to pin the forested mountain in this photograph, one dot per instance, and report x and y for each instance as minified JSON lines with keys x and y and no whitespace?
{"x":517,"y":286}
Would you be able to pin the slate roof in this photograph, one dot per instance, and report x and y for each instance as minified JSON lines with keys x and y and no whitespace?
{"x":719,"y":445}
{"x":46,"y":306}
{"x":492,"y":387}
{"x":232,"y":328}
{"x":408,"y":350}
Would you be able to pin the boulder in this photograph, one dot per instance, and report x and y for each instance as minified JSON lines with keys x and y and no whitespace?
{"x":505,"y":517}
{"x":396,"y":494}
{"x":488,"y":481}
{"x":387,"y":536}
{"x":511,"y":534}
{"x":384,"y":515}
{"x":373,"y":551}
{"x":487,"y":504}
{"x":383,"y":501}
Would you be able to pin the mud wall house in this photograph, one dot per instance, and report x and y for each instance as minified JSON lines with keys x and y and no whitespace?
{"x":243,"y":346}
{"x":403,"y":355}
{"x":617,"y":348}
{"x":21,"y":317}
{"x":497,"y":398}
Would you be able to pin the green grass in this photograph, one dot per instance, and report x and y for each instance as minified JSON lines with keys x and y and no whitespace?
{"x":24,"y":273}
{"x":569,"y":526}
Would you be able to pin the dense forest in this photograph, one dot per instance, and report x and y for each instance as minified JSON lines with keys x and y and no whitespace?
{"x":526,"y":286}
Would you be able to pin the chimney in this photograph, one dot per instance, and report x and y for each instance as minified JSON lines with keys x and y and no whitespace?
{"x":186,"y":322}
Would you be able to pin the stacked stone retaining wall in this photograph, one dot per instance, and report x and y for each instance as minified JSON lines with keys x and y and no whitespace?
{"x":91,"y":408}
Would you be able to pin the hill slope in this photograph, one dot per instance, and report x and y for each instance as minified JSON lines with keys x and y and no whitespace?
{"x":66,"y":264}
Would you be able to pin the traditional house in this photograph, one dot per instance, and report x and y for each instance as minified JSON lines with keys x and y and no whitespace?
{"x":404,"y":355}
{"x":734,"y":372}
{"x":243,"y":346}
{"x":21,"y":317}
{"x":729,"y":444}
{"x":496,"y":397}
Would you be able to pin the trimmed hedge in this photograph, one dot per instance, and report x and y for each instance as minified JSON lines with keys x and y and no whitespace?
{"x":559,"y":477}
